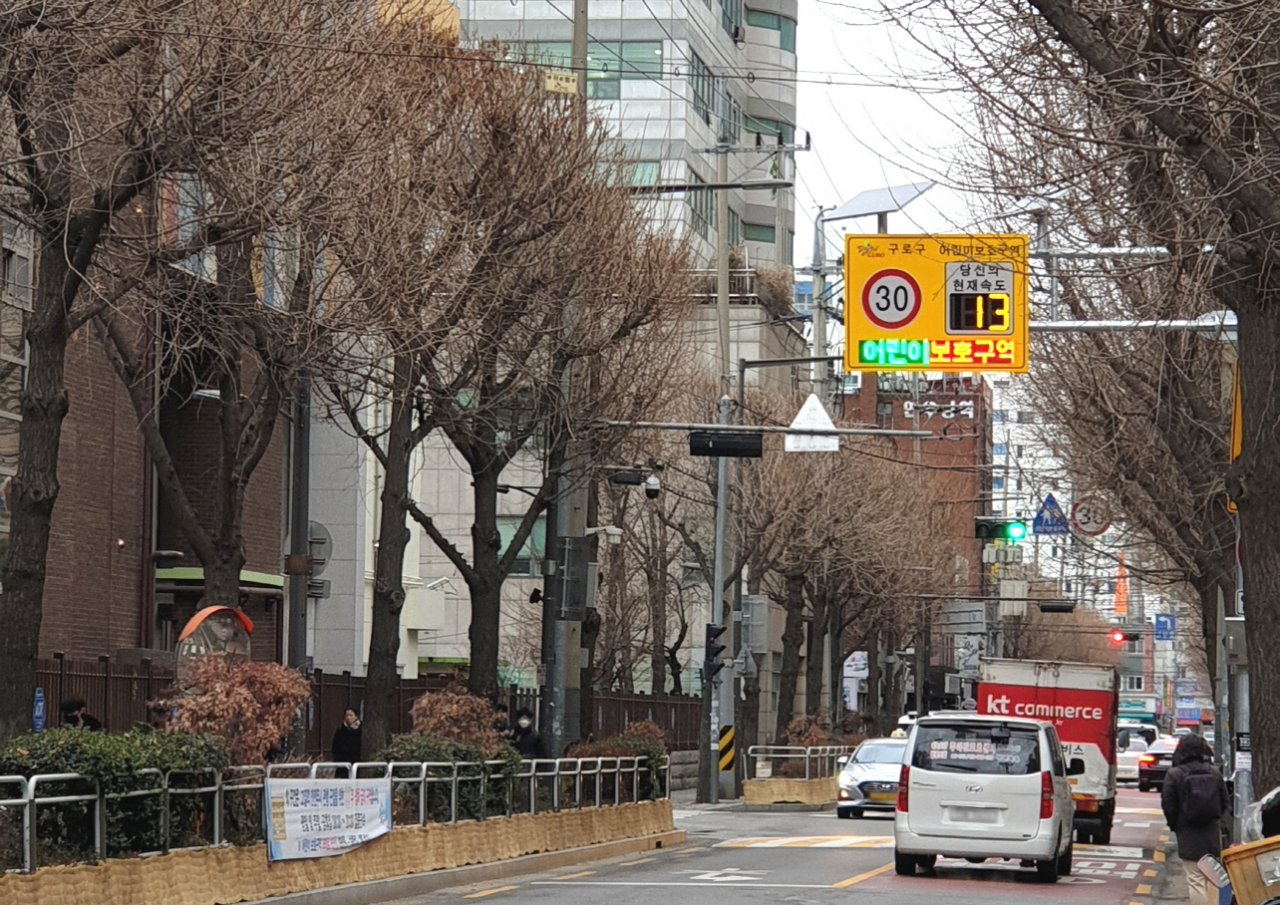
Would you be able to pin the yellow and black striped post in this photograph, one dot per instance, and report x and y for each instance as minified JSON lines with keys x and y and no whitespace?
{"x":726,"y":748}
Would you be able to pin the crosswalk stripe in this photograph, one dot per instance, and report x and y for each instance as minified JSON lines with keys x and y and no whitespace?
{"x":808,"y":842}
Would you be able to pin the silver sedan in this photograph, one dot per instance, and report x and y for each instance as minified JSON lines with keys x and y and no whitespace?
{"x":869,"y":780}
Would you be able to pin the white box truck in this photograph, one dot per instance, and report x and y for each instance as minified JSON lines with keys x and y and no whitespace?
{"x":1081,"y":700}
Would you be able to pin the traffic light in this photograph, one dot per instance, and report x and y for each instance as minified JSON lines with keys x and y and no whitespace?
{"x":711,"y":662}
{"x":989,"y":527}
{"x":1120,"y":637}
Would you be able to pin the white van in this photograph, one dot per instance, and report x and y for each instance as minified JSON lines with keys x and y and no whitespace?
{"x":979,"y":787}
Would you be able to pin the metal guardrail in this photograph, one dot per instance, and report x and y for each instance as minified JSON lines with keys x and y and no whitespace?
{"x":441,"y":792}
{"x":764,"y":761}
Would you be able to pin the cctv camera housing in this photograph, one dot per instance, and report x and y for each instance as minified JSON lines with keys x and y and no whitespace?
{"x":652,"y":486}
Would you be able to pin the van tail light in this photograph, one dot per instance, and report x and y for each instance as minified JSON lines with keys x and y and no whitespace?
{"x":903,"y":778}
{"x":1146,"y":759}
{"x":1046,"y":795}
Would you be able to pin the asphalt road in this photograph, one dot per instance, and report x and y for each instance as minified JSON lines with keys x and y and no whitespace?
{"x":816,"y":858}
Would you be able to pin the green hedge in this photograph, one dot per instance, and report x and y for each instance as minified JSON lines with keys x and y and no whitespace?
{"x":65,"y":831}
{"x":437,"y":749}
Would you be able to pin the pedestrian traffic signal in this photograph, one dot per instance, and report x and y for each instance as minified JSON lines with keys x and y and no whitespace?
{"x":1120,"y":637}
{"x":989,"y":527}
{"x":711,"y":662}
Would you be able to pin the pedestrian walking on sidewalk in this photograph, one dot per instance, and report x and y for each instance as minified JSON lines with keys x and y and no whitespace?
{"x":1194,"y":799}
{"x":527,"y":741}
{"x":346,"y":742}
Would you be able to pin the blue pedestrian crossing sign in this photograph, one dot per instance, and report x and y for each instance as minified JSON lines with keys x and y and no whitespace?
{"x":1050,"y":519}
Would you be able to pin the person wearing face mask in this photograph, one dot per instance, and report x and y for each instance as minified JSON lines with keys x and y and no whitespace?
{"x":528,"y":741}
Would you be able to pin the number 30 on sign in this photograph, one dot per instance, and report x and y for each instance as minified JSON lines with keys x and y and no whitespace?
{"x":891,"y":299}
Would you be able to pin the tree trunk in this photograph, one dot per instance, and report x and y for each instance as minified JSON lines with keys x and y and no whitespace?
{"x":382,"y":694}
{"x":222,"y":578}
{"x":792,"y":638}
{"x":485,"y":585}
{"x":657,"y":587}
{"x":814,"y":659}
{"x":872,"y":709}
{"x":1259,"y":332}
{"x":33,"y":494}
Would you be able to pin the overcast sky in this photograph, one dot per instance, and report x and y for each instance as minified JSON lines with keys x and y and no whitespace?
{"x":870,"y":130}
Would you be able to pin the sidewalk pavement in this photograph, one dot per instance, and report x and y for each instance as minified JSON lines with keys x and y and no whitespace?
{"x":1171,"y":884}
{"x":687,"y":799}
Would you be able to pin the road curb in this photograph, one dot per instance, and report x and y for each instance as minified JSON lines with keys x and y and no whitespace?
{"x":405,"y":887}
{"x":1170,"y":883}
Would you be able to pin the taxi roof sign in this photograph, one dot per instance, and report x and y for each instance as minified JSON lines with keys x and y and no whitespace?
{"x":950,"y":303}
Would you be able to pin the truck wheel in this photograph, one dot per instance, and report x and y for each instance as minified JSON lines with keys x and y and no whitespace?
{"x":904,"y":865}
{"x":1103,"y":837}
{"x":1084,"y":837}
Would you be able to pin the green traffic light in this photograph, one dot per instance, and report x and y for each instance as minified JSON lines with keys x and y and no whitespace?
{"x":1016,"y":530}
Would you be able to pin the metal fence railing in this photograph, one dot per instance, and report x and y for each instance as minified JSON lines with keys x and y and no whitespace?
{"x":766,"y":761}
{"x":66,"y":817}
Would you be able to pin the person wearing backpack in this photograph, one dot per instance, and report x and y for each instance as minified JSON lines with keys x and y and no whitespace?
{"x":1194,"y":799}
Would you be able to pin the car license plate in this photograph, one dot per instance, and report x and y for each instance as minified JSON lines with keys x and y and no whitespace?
{"x":974,"y":815}
{"x":882,"y":796}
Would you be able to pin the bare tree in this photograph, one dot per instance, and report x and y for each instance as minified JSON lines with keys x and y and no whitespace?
{"x":1161,"y":118}
{"x":509,"y":256}
{"x":105,"y":104}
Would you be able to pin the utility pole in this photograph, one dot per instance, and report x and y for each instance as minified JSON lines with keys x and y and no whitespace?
{"x":819,"y":272}
{"x":559,"y":719}
{"x":299,"y":541}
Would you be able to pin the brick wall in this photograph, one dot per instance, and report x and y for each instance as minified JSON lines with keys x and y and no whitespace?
{"x":93,"y":598}
{"x":191,"y":431}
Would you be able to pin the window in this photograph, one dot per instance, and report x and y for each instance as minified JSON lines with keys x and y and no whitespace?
{"x":1018,"y":451}
{"x":644,"y":172}
{"x":997,"y":483}
{"x":529,"y":562}
{"x":731,"y":17}
{"x":735,"y":120}
{"x":999,"y":415}
{"x":735,"y":228}
{"x":183,"y":207}
{"x":1019,"y":483}
{"x":704,"y":89}
{"x":1000,"y":449}
{"x":786,"y":27}
{"x":15,"y":278}
{"x":609,"y":63}
{"x":758,"y":232}
{"x":1134,"y":647}
{"x":701,"y":206}
{"x":1026,"y":417}
{"x":789,"y":250}
{"x":13,"y":368}
{"x":769,"y":128}
{"x":1132,"y":683}
{"x":970,"y":748}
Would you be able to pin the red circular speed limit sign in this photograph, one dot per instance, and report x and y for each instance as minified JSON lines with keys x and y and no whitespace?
{"x":891,"y":299}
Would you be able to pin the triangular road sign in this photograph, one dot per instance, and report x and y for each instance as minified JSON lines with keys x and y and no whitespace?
{"x":812,"y":417}
{"x":1050,"y":519}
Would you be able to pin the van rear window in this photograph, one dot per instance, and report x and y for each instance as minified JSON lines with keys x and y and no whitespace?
{"x":968,"y":748}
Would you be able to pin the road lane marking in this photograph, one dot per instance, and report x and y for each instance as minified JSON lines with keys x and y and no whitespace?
{"x":1164,"y":838}
{"x":634,"y":863}
{"x":808,"y":842}
{"x":845,"y":884}
{"x":1154,"y":812}
{"x":581,"y":873}
{"x":1158,"y":856}
{"x":1144,"y":889}
{"x":705,"y":885}
{"x":1148,"y":873}
{"x":488,"y":892}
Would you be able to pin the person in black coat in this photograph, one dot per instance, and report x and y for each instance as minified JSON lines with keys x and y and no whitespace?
{"x":75,"y":714}
{"x":346,"y":742}
{"x":527,"y":741}
{"x":1192,"y":790}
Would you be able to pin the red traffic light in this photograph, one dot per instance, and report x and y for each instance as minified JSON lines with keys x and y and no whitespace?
{"x":1117,"y":637}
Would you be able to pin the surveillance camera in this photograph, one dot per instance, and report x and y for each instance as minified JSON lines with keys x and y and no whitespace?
{"x":651,"y":486}
{"x":613,"y":534}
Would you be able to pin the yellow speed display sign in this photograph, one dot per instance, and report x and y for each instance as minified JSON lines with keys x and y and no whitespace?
{"x":936,"y":303}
